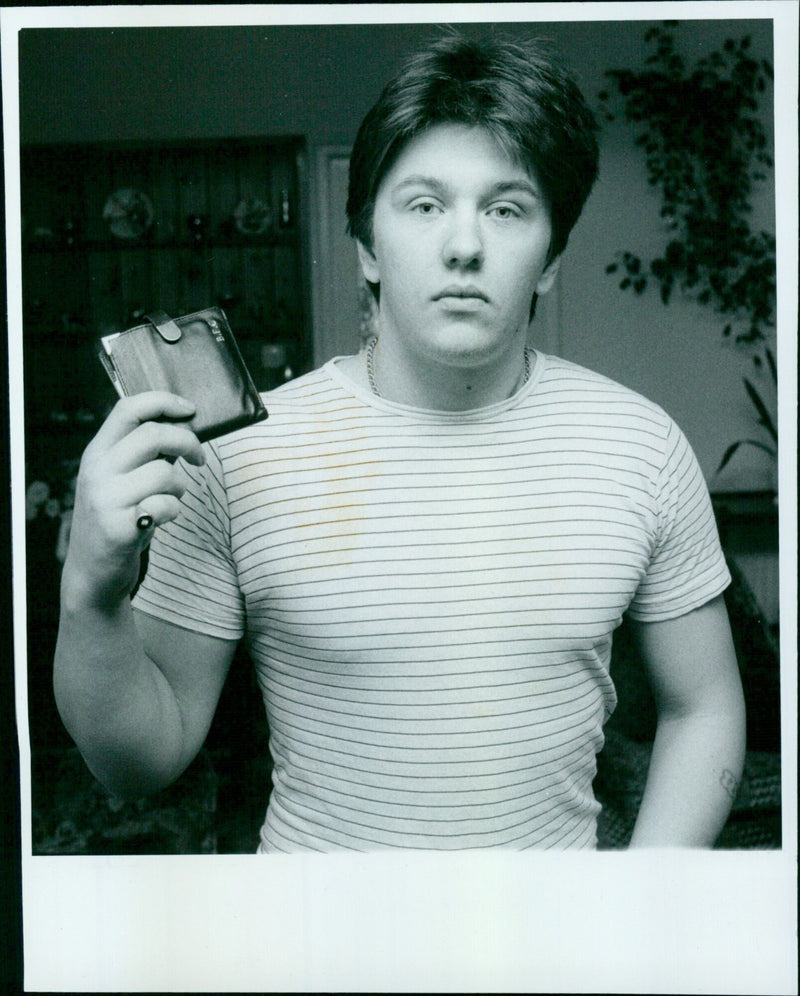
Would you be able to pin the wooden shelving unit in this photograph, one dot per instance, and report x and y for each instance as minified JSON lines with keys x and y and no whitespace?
{"x":208,"y":223}
{"x":211,"y":222}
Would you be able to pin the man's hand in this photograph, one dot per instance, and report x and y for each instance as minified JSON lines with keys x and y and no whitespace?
{"x":137,"y":700}
{"x":127,"y":470}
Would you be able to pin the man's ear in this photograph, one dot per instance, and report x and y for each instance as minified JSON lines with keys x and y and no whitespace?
{"x":548,"y":276}
{"x":369,"y":264}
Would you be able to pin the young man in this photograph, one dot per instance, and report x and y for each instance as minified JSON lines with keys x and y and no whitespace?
{"x":429,"y":544}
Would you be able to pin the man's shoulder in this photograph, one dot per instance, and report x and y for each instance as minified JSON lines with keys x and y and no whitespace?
{"x":300,"y":405}
{"x":572,"y":382}
{"x":310,"y":391}
{"x":307,"y":389}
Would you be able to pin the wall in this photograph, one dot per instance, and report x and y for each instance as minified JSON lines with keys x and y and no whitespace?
{"x":88,"y":85}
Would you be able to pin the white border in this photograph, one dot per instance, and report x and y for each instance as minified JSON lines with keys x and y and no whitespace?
{"x":210,"y":15}
{"x":655,"y":922}
{"x":785,"y":59}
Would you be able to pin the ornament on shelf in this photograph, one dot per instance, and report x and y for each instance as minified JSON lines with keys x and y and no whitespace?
{"x":286,"y":210}
{"x":252,"y":216}
{"x":198,"y":227}
{"x":128,"y":213}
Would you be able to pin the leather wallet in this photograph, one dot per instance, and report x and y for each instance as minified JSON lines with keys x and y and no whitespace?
{"x":195,"y":356}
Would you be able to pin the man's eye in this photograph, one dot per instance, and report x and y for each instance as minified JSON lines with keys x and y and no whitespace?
{"x":504,"y":211}
{"x":425,"y":207}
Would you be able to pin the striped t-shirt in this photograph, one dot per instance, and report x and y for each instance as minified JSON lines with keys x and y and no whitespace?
{"x":429,"y":598}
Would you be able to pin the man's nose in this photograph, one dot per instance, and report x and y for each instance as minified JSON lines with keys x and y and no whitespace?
{"x":463,"y":244}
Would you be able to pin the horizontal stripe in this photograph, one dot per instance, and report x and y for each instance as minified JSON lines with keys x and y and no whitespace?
{"x":429,"y":598}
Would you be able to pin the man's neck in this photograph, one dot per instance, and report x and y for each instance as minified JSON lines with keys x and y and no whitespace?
{"x":441,"y":386}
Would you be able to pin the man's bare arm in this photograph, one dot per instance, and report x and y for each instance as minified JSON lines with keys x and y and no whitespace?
{"x":698,"y":753}
{"x":137,"y":696}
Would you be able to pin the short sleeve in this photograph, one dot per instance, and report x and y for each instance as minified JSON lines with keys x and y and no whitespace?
{"x":687,"y":567}
{"x":191,"y":578}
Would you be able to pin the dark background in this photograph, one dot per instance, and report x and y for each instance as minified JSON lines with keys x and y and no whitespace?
{"x":208,"y":84}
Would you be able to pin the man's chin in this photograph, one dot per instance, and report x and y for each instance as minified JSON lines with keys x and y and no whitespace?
{"x":470,"y":345}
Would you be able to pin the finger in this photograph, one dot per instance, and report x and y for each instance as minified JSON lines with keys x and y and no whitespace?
{"x":129,"y":413}
{"x":151,"y":441}
{"x":106,"y":487}
{"x":154,"y":511}
{"x":126,"y":518}
{"x":112,"y":501}
{"x":156,"y":477}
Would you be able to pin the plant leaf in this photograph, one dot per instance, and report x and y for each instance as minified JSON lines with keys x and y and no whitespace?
{"x":771,"y":360}
{"x":765,"y":418}
{"x":726,"y":456}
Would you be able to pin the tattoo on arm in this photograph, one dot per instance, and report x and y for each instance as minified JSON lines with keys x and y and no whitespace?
{"x":729,"y":782}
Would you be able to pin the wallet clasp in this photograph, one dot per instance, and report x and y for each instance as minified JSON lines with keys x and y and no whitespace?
{"x":164,"y":325}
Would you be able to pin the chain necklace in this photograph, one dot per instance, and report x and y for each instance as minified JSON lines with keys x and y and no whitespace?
{"x":371,"y":366}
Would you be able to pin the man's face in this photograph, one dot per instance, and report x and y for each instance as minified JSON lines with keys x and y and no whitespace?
{"x":460,"y":241}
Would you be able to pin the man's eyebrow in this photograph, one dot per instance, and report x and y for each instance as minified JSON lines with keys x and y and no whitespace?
{"x":519,"y":185}
{"x":420,"y":180}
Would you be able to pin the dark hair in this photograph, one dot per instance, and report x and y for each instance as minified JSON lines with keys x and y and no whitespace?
{"x":528,"y":104}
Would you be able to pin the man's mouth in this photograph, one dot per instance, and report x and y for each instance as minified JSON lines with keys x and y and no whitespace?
{"x":464,"y":292}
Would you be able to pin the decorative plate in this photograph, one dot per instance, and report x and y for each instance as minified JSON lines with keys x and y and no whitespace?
{"x":252,"y":216}
{"x":128,"y":213}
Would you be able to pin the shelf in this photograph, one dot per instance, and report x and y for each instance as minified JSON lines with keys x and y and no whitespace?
{"x":747,"y":522}
{"x":287,"y":238}
{"x":46,"y":335}
{"x":81,"y":281}
{"x":749,"y":504}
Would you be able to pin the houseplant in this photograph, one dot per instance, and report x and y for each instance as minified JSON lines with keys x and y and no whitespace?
{"x":706,"y":150}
